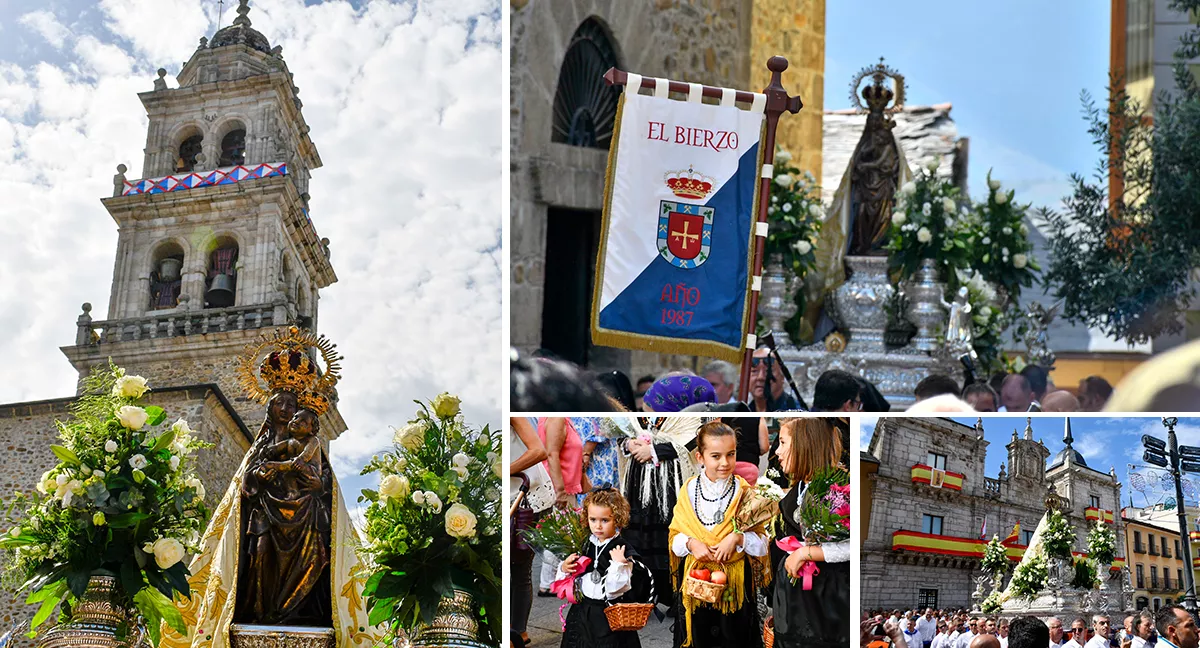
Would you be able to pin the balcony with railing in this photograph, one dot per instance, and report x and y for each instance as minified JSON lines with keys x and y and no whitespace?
{"x":991,"y":487}
{"x":1153,"y":550}
{"x":175,"y":324}
{"x":1139,"y":548}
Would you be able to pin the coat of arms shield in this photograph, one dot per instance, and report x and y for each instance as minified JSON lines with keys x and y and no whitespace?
{"x":684,"y":233}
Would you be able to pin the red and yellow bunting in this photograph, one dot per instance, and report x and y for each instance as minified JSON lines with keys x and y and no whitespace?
{"x":967,"y":547}
{"x":1194,"y":535}
{"x":922,"y":474}
{"x":1093,"y":514}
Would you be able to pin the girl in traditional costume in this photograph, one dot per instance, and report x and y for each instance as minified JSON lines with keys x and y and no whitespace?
{"x":611,"y":575}
{"x":818,"y":617}
{"x":703,"y":536}
{"x":659,"y":461}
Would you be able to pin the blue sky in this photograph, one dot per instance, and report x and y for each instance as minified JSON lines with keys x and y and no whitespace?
{"x":1013,"y":71}
{"x":1104,"y":442}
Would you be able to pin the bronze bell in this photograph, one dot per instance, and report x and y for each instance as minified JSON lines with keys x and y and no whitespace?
{"x":168,"y":269}
{"x":220,"y":292}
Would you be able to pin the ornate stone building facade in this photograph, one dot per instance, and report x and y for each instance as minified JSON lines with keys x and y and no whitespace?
{"x":562,"y":119}
{"x":930,"y":500}
{"x":215,"y":248}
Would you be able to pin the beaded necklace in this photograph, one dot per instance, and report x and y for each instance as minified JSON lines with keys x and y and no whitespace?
{"x":723,"y":501}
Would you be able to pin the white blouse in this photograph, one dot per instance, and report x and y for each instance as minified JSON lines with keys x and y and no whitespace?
{"x":753,"y":544}
{"x":612,"y":585}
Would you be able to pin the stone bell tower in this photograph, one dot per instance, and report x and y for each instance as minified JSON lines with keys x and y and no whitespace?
{"x":215,"y":243}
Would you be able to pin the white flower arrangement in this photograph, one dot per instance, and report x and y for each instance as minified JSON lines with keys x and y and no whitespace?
{"x":1030,"y":577}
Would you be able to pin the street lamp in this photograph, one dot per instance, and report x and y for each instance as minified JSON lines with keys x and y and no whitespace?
{"x":1181,"y":459}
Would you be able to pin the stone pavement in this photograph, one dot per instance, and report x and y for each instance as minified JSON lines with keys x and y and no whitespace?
{"x":545,"y":629}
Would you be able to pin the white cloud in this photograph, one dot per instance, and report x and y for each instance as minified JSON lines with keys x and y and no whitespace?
{"x":46,"y":25}
{"x":407,"y":119}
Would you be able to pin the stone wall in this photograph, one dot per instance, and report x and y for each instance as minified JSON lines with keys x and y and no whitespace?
{"x":795,"y":30}
{"x":27,"y":430}
{"x":886,"y":583}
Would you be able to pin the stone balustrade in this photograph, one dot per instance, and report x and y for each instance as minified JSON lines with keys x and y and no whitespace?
{"x":173,"y":324}
{"x":991,"y":487}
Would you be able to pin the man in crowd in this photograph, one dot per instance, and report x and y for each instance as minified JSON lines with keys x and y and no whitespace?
{"x":1143,"y":629}
{"x":935,"y":385}
{"x":942,"y":635}
{"x":838,"y":391}
{"x":1016,"y":394}
{"x":1039,"y":381}
{"x":773,"y":397}
{"x":724,"y":378}
{"x":1101,"y":628}
{"x":964,"y":639}
{"x":981,"y":397}
{"x":985,"y":641}
{"x":1078,"y":633}
{"x":1002,"y":632}
{"x":1094,"y":392}
{"x":1055,"y":627}
{"x":1060,"y":401}
{"x":1030,"y":632}
{"x":643,"y":384}
{"x":927,"y":626}
{"x":1176,"y":628}
{"x":912,"y":636}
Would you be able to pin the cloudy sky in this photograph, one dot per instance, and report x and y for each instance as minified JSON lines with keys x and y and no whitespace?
{"x":405,"y":104}
{"x":1105,"y":442}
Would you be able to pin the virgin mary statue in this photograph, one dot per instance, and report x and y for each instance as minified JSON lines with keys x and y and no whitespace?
{"x":279,"y":549}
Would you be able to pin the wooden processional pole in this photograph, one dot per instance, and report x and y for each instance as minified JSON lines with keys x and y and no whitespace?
{"x":778,"y":102}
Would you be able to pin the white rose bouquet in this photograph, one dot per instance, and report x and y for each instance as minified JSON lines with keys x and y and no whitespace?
{"x":928,"y":223}
{"x":434,"y":523}
{"x":988,"y":321}
{"x":123,"y":501}
{"x":795,"y":215}
{"x":1001,"y":248}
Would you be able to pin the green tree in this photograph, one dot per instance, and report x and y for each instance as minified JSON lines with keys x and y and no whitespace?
{"x":1122,"y":262}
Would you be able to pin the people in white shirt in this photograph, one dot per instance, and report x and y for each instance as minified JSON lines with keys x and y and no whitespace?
{"x":615,"y":582}
{"x":912,"y":636}
{"x":939,"y":639}
{"x":1056,"y":632}
{"x":1102,"y":629}
{"x":927,"y":626}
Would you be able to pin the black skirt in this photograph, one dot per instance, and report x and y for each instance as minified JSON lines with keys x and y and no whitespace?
{"x":648,"y":528}
{"x":741,"y":628}
{"x":587,"y":627}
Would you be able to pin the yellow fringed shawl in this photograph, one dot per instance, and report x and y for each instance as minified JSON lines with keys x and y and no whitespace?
{"x":684,"y":520}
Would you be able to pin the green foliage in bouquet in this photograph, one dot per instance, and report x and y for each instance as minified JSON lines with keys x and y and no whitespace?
{"x":123,"y":501}
{"x":1030,"y":577}
{"x":1102,"y":543}
{"x":1058,"y":537}
{"x":992,"y":604}
{"x":434,"y":523}
{"x":928,"y":224}
{"x":561,"y":531}
{"x":795,"y":214}
{"x":988,"y":322}
{"x":995,"y":557}
{"x":825,"y":506}
{"x":1085,"y":574}
{"x":1001,"y":250}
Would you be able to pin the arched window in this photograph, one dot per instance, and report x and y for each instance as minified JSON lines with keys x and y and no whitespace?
{"x":188,"y":150}
{"x":166,"y":276}
{"x":233,"y":148}
{"x":221,"y":279}
{"x":584,"y":104}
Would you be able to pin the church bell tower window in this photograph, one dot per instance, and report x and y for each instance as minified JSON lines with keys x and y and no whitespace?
{"x":233,"y":148}
{"x":166,"y":277}
{"x":221,"y":280}
{"x":188,"y":150}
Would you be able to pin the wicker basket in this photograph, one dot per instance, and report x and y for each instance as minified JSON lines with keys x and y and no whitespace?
{"x":706,"y":591}
{"x":769,"y":632}
{"x":628,"y":616}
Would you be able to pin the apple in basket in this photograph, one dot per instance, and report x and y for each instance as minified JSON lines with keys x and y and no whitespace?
{"x":701,"y":574}
{"x":719,"y":577}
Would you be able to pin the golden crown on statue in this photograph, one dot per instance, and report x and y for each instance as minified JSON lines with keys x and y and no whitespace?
{"x":281,"y":361}
{"x":689,"y":184}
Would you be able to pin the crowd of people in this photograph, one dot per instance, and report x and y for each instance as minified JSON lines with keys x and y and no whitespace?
{"x":544,"y":384}
{"x":660,"y":504}
{"x":1169,"y":627}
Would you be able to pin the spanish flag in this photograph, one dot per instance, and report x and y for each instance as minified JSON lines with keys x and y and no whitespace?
{"x":1016,"y":533}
